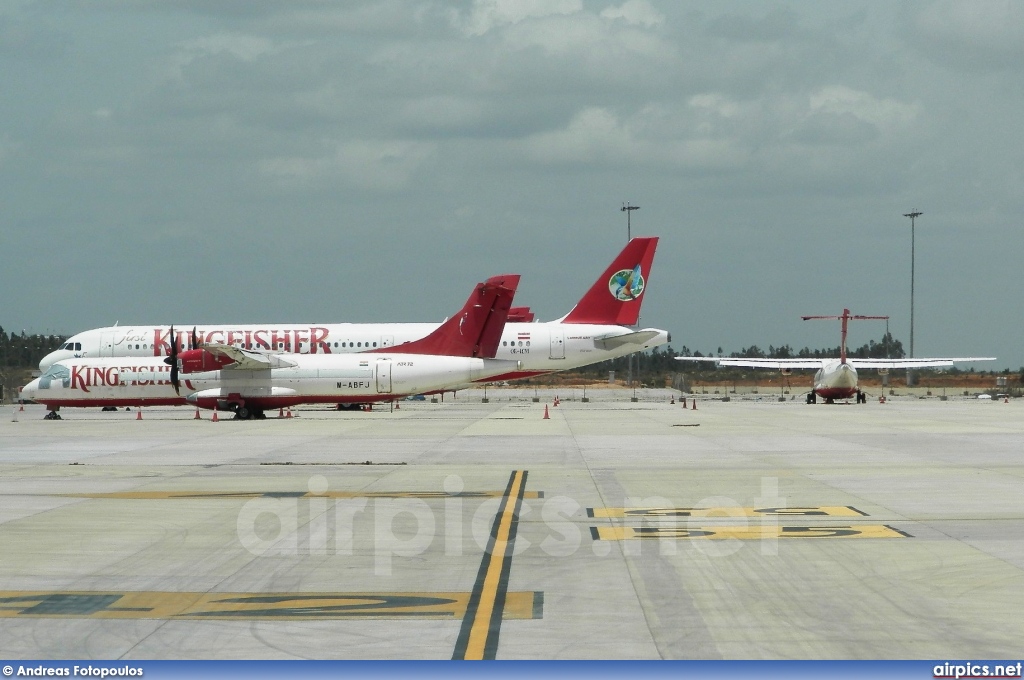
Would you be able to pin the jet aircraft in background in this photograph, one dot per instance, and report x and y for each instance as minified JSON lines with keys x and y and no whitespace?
{"x":597,"y":328}
{"x":248,"y":382}
{"x":837,"y":378}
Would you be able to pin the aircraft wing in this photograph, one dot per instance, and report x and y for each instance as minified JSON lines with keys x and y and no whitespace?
{"x":913,"y":363}
{"x":247,"y":360}
{"x":638,"y":338}
{"x":759,"y":363}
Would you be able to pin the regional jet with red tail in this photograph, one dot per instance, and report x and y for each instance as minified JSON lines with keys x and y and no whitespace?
{"x":837,"y":378}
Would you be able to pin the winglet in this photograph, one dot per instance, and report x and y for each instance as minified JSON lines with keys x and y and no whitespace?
{"x":476,"y":330}
{"x":616,"y":296}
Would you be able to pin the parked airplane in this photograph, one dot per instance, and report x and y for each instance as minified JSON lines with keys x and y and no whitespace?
{"x":594,"y":330}
{"x":248,"y":382}
{"x":837,"y":378}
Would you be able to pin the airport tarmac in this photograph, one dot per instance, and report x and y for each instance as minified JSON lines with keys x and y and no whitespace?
{"x":611,"y":530}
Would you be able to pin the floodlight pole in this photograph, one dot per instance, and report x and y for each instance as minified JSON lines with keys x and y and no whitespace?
{"x":628,"y":209}
{"x":913,"y":215}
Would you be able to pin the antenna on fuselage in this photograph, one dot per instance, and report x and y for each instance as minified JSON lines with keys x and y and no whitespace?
{"x":845,"y":318}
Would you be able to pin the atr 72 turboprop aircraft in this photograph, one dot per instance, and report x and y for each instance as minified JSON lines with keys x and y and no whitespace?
{"x":837,"y":378}
{"x":594,"y":330}
{"x":248,"y":382}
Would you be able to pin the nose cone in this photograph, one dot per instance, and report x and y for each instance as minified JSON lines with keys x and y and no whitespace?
{"x":53,"y":357}
{"x":30,"y":390}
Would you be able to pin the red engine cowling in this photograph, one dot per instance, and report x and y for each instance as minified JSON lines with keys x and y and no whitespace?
{"x":200,"y":360}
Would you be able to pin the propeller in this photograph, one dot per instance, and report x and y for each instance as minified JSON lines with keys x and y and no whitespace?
{"x":172,"y":360}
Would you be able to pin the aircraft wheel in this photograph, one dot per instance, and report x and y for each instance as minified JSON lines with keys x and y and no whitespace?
{"x":52,"y":415}
{"x":243,"y":413}
{"x":259,"y":415}
{"x":829,"y":400}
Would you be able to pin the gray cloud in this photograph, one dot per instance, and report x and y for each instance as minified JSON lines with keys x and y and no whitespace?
{"x":313,"y":160}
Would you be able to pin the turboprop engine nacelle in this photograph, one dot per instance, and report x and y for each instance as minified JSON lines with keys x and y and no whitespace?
{"x":201,"y":360}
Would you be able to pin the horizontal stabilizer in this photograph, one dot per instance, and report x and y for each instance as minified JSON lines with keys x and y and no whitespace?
{"x":611,"y":342}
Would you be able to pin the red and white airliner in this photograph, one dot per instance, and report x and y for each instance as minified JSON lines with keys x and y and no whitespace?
{"x":229,"y":378}
{"x":837,"y":378}
{"x":596,"y":329}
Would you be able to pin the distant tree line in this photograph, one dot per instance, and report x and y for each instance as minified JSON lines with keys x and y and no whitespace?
{"x":25,"y":351}
{"x":659,"y":365}
{"x":19,"y":356}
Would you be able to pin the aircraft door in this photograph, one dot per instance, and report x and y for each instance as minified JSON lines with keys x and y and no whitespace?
{"x":383,"y":377}
{"x":107,"y":345}
{"x":557,"y":344}
{"x":387,"y":341}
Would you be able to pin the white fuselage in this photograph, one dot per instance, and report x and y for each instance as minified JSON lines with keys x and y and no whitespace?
{"x":540,"y":347}
{"x":836,"y":380}
{"x":321,"y":378}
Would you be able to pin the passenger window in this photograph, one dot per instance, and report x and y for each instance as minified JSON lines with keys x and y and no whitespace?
{"x":374,"y":344}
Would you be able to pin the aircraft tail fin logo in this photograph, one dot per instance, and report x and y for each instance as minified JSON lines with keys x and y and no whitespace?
{"x":627,"y":284}
{"x":616,"y":296}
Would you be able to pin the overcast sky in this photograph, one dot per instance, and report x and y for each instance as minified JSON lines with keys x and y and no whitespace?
{"x":244,"y":160}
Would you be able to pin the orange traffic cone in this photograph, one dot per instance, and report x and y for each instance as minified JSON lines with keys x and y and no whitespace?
{"x":546,"y":416}
{"x":672,"y":400}
{"x":215,"y":418}
{"x":280,"y":413}
{"x":198,"y":417}
{"x":288,"y":413}
{"x":138,"y":414}
{"x":683,"y":400}
{"x":397,"y":406}
{"x":694,"y":404}
{"x":1006,"y":399}
{"x":21,"y":408}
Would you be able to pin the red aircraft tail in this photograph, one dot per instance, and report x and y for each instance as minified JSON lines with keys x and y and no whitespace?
{"x":476,"y":330}
{"x":616,"y":296}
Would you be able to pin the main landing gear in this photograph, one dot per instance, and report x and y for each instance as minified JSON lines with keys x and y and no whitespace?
{"x":246,"y":413}
{"x":52,"y":415}
{"x":861,"y":397}
{"x":812,"y":397}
